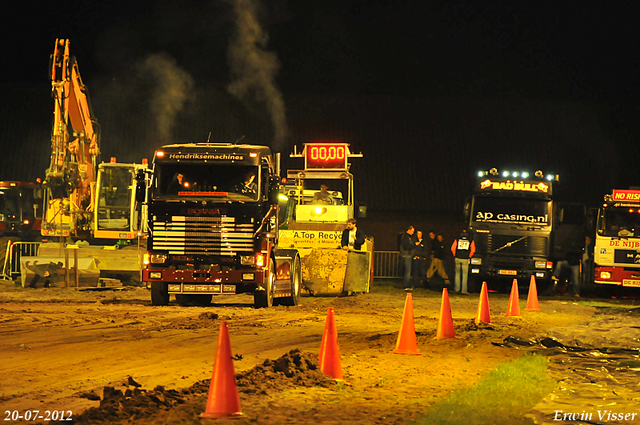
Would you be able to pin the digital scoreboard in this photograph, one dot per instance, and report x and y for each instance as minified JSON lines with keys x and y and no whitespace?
{"x":326,"y":156}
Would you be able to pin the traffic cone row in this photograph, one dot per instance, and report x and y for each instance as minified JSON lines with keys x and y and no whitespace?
{"x":223,"y":399}
{"x":406,"y":343}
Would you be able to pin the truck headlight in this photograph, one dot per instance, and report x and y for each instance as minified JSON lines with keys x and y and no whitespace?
{"x":540,"y":264}
{"x":476,"y":261}
{"x":605,"y":275}
{"x":158,"y":258}
{"x":155,"y":275}
{"x":248,"y":260}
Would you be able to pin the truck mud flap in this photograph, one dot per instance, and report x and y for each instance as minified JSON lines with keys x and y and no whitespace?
{"x":357,"y":276}
{"x":335,"y":271}
{"x":323,"y":271}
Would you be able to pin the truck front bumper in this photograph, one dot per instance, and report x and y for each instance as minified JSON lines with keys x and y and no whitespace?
{"x":617,"y":276}
{"x":207,"y":281}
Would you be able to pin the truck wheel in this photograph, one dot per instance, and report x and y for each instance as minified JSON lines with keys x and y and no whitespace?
{"x":296,"y":283}
{"x":265,"y":298}
{"x":159,"y":293}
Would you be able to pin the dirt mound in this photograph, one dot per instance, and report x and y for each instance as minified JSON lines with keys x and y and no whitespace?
{"x":294,"y":369}
{"x":117,"y":406}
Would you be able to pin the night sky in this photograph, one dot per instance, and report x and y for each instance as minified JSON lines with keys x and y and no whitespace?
{"x":568,"y":51}
{"x":576,"y":50}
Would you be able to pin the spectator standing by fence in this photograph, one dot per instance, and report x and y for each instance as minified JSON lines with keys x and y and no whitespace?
{"x":419,"y":264}
{"x":437,"y":257}
{"x":407,"y":251}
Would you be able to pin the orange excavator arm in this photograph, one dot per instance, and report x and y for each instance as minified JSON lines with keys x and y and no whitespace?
{"x":59,"y":92}
{"x":74,"y":146}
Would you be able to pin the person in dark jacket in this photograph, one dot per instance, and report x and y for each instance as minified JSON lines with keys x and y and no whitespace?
{"x":352,"y":237}
{"x":407,"y":249}
{"x":571,"y":262}
{"x":419,"y":265}
{"x":463,"y":249}
{"x":437,"y":257}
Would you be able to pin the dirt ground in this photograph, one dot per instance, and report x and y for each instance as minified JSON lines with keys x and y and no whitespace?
{"x":113,"y":356}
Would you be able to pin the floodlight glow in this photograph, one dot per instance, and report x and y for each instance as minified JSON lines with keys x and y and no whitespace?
{"x":525,"y":175}
{"x":505,"y":174}
{"x":480,"y":173}
{"x":514,"y":174}
{"x":549,"y":177}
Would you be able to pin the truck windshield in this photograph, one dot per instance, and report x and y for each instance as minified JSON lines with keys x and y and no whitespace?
{"x":517,"y":211}
{"x":618,"y":221}
{"x":222,"y":181}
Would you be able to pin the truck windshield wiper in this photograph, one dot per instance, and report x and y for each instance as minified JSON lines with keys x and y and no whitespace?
{"x":508,"y":244}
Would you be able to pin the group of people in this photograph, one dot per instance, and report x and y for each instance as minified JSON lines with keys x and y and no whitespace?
{"x":414,"y":252}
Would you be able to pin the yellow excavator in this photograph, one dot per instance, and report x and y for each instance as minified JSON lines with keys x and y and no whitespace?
{"x":87,"y":205}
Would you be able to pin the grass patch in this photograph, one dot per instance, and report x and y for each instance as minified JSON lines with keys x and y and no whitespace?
{"x":501,"y":397}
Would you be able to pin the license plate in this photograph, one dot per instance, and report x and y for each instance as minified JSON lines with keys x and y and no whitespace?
{"x":508,"y":272}
{"x":631,"y":282}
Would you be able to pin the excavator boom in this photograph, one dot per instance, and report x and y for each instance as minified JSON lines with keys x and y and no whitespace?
{"x":74,"y":150}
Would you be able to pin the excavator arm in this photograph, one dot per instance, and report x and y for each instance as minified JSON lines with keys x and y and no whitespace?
{"x":74,"y":150}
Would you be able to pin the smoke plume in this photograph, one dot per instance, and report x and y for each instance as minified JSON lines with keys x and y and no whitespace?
{"x":254,"y":69}
{"x":172,"y":87}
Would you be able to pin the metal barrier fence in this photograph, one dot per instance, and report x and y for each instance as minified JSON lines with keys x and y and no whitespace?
{"x":386,"y":264}
{"x":15,"y":251}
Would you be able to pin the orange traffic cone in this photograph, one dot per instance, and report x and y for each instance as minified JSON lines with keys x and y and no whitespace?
{"x":484,"y":314}
{"x":324,"y":335}
{"x":407,"y":343}
{"x":330,"y":363}
{"x":532,"y":299}
{"x":223,"y":397}
{"x":513,"y":309}
{"x":445,"y":325}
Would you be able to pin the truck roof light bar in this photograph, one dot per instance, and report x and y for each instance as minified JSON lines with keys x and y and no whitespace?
{"x":518,"y":174}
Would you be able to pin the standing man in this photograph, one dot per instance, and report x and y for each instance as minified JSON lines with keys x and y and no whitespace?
{"x":419,"y":266}
{"x":572,"y":263}
{"x":462,"y":249}
{"x":407,"y":249}
{"x":437,"y":255}
{"x":352,"y":237}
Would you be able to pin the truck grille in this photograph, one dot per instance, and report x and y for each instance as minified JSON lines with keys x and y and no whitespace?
{"x":203,"y":236}
{"x":529,"y":246}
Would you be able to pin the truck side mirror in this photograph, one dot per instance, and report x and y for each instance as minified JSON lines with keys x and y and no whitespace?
{"x":274,"y":189}
{"x":141,"y":186}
